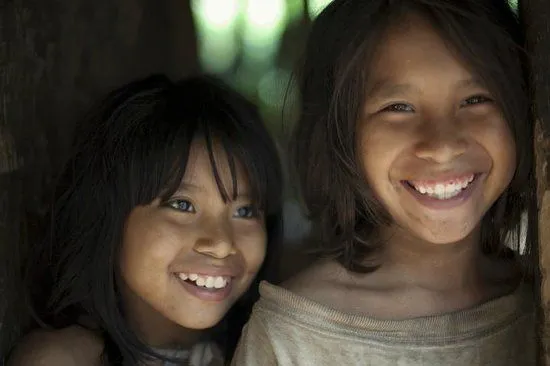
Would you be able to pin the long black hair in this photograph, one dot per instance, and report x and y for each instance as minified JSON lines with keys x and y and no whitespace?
{"x":486,"y":34}
{"x":132,"y":149}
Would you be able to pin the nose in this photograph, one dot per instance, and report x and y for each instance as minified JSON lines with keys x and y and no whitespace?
{"x":440,"y":142}
{"x":216,"y":240}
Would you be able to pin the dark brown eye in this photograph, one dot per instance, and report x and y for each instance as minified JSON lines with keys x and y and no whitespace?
{"x":476,"y":99}
{"x":399,"y":108}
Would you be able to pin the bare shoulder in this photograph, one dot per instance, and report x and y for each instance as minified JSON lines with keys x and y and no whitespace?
{"x":319,"y":282}
{"x":70,"y":346}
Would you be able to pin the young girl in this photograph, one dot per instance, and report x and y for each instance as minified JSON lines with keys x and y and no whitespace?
{"x":414,"y":156}
{"x":163,"y":220}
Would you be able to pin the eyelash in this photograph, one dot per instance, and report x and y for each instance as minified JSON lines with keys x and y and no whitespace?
{"x":251,"y":211}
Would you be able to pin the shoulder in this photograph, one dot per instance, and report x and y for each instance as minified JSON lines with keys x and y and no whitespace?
{"x":70,"y":346}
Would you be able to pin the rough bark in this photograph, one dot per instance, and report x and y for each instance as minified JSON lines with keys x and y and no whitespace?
{"x":535,"y":14}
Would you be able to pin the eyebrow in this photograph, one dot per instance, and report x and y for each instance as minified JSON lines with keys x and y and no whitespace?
{"x":384,"y":89}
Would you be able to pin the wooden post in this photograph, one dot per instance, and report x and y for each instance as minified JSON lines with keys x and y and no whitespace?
{"x":535,"y":15}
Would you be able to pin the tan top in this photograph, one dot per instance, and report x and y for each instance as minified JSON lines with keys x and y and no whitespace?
{"x":287,"y":329}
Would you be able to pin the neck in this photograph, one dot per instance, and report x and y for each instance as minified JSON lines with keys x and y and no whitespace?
{"x":439,"y":267}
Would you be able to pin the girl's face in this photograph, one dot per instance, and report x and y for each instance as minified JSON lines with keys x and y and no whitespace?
{"x":434,"y":146}
{"x":186,"y":261}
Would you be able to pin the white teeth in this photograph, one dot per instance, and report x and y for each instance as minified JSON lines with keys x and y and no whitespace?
{"x":443,"y":191}
{"x":220,"y":282}
{"x":216,"y":282}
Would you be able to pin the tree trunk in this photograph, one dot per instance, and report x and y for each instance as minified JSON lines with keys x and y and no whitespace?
{"x":56,"y":58}
{"x":535,"y":14}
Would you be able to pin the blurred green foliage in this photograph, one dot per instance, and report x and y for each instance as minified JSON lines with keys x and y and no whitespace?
{"x":254,"y":45}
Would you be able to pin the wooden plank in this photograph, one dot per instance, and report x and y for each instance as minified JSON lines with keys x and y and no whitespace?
{"x":543,"y":195}
{"x":535,"y":15}
{"x":544,"y":237}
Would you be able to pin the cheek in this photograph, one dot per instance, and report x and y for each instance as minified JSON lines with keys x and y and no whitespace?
{"x":147,"y":250}
{"x":500,"y":145}
{"x":253,"y":248}
{"x":136,"y":265}
{"x":378,"y":149}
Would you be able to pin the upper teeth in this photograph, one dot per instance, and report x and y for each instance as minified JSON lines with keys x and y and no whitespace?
{"x":206,"y":281}
{"x":443,"y":190}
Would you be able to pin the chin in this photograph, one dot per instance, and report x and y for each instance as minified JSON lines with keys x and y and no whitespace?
{"x":201,"y":324}
{"x":445,"y":239}
{"x":446,"y":233}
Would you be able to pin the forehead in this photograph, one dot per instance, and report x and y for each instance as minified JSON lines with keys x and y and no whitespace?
{"x":411,"y":48}
{"x":202,"y":162}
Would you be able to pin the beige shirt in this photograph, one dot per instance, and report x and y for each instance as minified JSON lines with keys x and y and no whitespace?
{"x":287,"y":329}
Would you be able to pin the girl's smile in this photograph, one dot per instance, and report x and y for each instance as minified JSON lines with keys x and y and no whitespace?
{"x":206,"y":288}
{"x":210,"y":283}
{"x":445,"y":194}
{"x":442,"y":187}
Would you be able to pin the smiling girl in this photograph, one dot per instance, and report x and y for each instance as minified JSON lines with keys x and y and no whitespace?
{"x":163,"y":222}
{"x":414,"y":152}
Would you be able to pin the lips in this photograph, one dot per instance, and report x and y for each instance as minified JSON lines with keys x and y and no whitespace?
{"x":444,"y":193}
{"x":208,"y":282}
{"x":206,"y":294}
{"x":442,"y":189}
